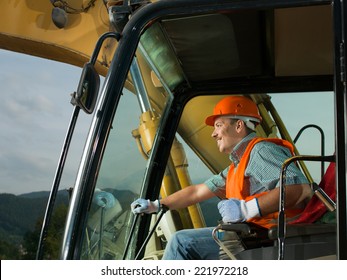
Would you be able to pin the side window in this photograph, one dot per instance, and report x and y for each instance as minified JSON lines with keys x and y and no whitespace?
{"x":198,"y":173}
{"x":202,"y":158}
{"x":312,"y":113}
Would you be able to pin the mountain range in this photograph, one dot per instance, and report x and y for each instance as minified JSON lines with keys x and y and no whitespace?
{"x":20,"y":213}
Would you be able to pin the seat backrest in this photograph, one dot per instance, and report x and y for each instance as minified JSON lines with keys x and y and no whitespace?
{"x":315,"y":208}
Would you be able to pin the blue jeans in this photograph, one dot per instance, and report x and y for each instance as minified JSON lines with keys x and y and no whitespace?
{"x":192,"y":244}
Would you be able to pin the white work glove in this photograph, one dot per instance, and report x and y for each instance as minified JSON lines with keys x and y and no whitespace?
{"x":145,"y":206}
{"x":104,"y":199}
{"x":235,"y":210}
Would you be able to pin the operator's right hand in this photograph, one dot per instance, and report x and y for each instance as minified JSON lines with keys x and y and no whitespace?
{"x":145,"y":206}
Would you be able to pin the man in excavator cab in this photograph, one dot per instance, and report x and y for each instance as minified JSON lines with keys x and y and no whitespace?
{"x":249,"y":185}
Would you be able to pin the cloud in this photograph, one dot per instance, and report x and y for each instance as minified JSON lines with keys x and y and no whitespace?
{"x":17,"y":169}
{"x":35,"y":111}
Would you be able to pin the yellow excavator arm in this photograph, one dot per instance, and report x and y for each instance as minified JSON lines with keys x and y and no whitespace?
{"x":30,"y":27}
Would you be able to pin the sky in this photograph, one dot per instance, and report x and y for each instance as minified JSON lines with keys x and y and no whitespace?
{"x":35,"y":111}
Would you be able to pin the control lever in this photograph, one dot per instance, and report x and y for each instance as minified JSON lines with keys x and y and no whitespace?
{"x":163,"y":210}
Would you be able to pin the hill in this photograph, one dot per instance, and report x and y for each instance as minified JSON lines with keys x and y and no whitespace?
{"x":20,"y":213}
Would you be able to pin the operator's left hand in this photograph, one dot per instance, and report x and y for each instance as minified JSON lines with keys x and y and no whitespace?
{"x":234,"y":210}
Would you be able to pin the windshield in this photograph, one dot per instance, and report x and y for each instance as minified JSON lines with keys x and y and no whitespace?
{"x":120,"y":177}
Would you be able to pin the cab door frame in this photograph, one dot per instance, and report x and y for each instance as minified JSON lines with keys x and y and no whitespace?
{"x":340,"y":88}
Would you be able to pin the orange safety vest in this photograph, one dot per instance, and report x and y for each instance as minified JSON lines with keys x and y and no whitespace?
{"x":235,"y":183}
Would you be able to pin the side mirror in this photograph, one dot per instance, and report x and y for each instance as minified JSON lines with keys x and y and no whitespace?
{"x":88,"y":89}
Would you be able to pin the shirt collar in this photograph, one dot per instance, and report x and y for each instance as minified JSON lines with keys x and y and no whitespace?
{"x":239,"y":149}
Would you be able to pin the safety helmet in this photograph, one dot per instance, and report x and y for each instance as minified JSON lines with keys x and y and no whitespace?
{"x":237,"y":107}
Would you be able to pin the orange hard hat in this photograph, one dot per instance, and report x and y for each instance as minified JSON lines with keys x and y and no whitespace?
{"x":235,"y":106}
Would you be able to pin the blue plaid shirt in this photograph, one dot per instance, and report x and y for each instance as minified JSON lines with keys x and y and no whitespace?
{"x":263,"y":170}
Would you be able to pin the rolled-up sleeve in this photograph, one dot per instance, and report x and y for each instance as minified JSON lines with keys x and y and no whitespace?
{"x":217,"y":183}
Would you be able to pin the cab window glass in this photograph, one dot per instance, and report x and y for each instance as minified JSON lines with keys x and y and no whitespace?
{"x":118,"y":185}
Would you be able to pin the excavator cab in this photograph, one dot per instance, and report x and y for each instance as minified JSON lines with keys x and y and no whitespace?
{"x":173,"y":61}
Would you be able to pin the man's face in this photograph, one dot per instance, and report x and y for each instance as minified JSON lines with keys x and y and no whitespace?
{"x":226,"y":134}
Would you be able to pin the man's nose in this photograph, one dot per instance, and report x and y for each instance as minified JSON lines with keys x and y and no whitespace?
{"x":214,"y":134}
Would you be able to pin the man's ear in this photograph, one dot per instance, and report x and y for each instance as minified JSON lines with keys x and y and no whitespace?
{"x":240,"y":125}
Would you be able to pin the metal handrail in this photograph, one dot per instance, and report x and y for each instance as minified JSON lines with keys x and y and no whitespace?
{"x":322,"y":142}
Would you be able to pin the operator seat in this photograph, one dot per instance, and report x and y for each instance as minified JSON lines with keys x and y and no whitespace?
{"x":311,"y":235}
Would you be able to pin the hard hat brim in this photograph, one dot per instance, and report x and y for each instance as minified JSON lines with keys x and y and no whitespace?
{"x":210,"y":120}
